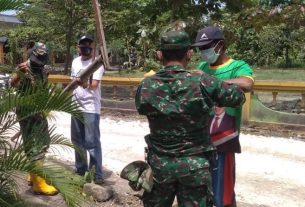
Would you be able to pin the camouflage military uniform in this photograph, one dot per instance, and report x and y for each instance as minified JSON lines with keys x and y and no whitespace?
{"x":177,"y":103}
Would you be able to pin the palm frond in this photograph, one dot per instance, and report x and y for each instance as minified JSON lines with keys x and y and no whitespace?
{"x":16,"y":161}
{"x":16,"y":157}
{"x":12,"y":5}
{"x":6,"y":201}
{"x":7,"y":128}
{"x":68,"y":184}
{"x":58,"y":141}
{"x":43,"y":98}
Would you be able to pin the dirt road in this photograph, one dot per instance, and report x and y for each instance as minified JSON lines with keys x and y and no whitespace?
{"x":270,"y":171}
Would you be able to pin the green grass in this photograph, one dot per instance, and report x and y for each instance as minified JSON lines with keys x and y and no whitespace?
{"x":280,"y":74}
{"x":126,"y":73}
{"x":259,"y":74}
{"x":289,"y":74}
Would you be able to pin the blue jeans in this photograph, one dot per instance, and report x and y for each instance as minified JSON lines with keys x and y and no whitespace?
{"x":86,"y":137}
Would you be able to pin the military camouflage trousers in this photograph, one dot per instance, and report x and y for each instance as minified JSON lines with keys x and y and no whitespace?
{"x":35,"y":136}
{"x":163,"y":195}
{"x":188,"y":178}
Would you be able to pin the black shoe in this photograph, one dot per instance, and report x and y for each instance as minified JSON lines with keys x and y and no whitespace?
{"x":99,"y":181}
{"x":80,"y":173}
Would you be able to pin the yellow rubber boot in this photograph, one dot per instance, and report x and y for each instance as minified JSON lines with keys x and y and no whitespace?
{"x":41,"y":187}
{"x":29,"y":179}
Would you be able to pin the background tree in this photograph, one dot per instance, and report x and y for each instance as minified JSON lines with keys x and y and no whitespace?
{"x":59,"y":23}
{"x":12,"y":5}
{"x":266,"y":33}
{"x":134,"y":27}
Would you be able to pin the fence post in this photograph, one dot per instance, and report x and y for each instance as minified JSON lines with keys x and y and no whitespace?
{"x":303,"y":101}
{"x":1,"y":53}
{"x":274,"y":95}
{"x":246,"y":108}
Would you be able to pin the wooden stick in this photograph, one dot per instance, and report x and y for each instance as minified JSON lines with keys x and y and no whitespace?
{"x":100,"y":32}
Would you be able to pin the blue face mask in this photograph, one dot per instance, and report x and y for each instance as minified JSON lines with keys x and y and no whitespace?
{"x":209,"y":55}
{"x":85,"y":51}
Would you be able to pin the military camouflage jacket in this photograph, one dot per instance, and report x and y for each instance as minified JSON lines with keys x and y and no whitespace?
{"x":177,"y":103}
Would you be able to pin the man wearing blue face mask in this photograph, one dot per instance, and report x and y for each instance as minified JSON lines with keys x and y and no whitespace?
{"x":210,"y":42}
{"x":86,"y":135}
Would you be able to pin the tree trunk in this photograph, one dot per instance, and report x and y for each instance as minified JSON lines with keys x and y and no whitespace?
{"x":68,"y":58}
{"x":174,"y":10}
{"x":287,"y":61}
{"x":68,"y":50}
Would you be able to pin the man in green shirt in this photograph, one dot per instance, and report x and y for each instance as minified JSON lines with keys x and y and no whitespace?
{"x":211,"y":43}
{"x":177,"y":103}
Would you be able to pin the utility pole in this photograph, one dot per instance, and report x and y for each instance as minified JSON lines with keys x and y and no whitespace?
{"x":100,"y":33}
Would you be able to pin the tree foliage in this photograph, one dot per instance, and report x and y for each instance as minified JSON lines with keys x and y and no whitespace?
{"x":268,"y":33}
{"x":263,"y":32}
{"x":11,"y":4}
{"x":58,"y":23}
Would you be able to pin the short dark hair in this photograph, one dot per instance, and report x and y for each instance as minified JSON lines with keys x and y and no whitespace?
{"x":174,"y":54}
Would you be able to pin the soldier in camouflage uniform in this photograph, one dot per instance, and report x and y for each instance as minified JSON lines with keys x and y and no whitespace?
{"x":177,"y":103}
{"x":34,"y":129}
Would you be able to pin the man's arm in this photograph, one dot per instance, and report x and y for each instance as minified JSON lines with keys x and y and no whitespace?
{"x":243,"y":77}
{"x":222,"y":93}
{"x":245,"y":83}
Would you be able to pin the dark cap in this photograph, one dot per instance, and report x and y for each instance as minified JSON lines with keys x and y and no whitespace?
{"x":207,"y":35}
{"x":175,"y":40}
{"x":85,"y":38}
{"x":39,"y":54}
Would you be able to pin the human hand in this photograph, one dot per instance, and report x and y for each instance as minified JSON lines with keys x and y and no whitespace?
{"x":228,"y":81}
{"x":23,"y":67}
{"x":198,"y":72}
{"x":83,"y":83}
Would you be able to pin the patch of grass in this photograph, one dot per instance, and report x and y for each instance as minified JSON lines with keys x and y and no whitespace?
{"x":280,"y":74}
{"x":291,"y":74}
{"x":126,"y":73}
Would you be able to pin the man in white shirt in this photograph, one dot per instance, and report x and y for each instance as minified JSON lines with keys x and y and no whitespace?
{"x":86,"y":135}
